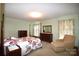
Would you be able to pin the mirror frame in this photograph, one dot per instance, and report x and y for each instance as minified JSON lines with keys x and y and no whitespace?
{"x":47,"y":28}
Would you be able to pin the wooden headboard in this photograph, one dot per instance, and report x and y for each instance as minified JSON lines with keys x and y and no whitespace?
{"x":22,"y":33}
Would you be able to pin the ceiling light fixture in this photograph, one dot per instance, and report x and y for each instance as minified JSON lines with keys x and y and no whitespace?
{"x":35,"y":14}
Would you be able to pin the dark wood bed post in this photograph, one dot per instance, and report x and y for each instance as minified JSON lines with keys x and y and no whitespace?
{"x":2,"y":30}
{"x":2,"y":35}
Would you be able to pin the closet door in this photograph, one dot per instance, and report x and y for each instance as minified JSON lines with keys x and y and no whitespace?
{"x":1,"y":28}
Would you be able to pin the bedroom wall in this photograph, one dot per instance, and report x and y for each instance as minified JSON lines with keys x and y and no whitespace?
{"x":13,"y":25}
{"x":54,"y":23}
{"x":77,"y":30}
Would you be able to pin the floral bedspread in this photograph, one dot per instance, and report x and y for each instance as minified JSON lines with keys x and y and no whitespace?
{"x":26,"y":43}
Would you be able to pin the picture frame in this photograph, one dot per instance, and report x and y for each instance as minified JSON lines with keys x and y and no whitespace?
{"x":47,"y":28}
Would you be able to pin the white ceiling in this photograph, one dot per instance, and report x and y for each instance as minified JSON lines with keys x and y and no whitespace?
{"x":49,"y":10}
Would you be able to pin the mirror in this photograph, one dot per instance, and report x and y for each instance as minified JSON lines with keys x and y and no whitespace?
{"x":47,"y":29}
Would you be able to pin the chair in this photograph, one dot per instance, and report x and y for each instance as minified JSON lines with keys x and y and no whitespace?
{"x":68,"y":42}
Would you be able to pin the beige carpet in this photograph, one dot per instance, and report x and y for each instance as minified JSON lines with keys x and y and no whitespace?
{"x":46,"y":51}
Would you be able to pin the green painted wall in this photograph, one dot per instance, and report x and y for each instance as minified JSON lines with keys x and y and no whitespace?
{"x":77,"y":30}
{"x":11,"y":27}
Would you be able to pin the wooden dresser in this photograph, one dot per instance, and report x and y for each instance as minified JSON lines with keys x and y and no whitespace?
{"x":22,"y":33}
{"x":48,"y":37}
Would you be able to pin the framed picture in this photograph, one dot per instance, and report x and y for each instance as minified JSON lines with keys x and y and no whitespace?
{"x":47,"y":28}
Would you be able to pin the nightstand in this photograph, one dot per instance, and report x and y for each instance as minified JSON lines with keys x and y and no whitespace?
{"x":13,"y":50}
{"x":77,"y":51}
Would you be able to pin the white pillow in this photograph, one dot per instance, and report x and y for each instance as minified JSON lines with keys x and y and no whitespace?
{"x":13,"y":38}
{"x":7,"y":43}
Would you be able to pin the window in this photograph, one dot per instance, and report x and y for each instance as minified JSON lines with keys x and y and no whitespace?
{"x":65,"y":27}
{"x":36,"y":29}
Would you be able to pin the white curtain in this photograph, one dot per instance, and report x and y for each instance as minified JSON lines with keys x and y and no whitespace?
{"x":36,"y":30}
{"x":65,"y":27}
